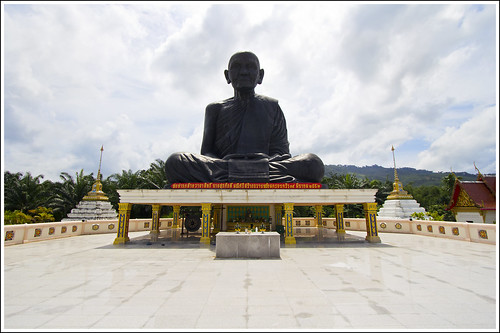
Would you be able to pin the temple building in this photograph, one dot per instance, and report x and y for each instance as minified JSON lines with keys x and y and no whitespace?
{"x":474,"y":201}
{"x":95,"y":205}
{"x":399,"y":204}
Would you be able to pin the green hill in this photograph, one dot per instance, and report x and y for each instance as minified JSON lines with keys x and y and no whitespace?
{"x":406,"y":175}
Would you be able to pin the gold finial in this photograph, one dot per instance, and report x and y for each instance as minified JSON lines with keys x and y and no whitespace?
{"x":479,"y":174}
{"x":394,"y":160}
{"x":96,"y":193}
{"x":454,"y":175}
{"x":397,"y":187}
{"x":100,"y":160}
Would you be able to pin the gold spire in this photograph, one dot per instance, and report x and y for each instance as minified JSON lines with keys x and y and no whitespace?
{"x":397,"y":187}
{"x":479,"y":174}
{"x":96,"y":194}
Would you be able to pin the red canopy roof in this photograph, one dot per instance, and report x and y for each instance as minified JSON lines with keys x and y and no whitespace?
{"x":481,"y":192}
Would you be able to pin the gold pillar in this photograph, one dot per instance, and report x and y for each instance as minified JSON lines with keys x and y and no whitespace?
{"x":217,"y":218}
{"x":175,"y":217}
{"x":123,"y":221}
{"x":371,"y":222}
{"x":339,"y":218}
{"x":289,"y":238}
{"x":205,"y":225}
{"x":155,"y":223}
{"x":278,"y":217}
{"x":319,"y":216}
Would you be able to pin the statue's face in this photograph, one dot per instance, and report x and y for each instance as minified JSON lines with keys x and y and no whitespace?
{"x":244,"y":72}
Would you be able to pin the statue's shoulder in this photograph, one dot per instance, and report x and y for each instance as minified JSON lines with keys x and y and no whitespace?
{"x":266,"y":99}
{"x":216,"y":106}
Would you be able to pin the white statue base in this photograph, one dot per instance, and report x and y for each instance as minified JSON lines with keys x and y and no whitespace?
{"x":252,"y":245}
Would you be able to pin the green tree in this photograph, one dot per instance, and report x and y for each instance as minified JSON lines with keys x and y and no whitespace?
{"x":349,"y":181}
{"x":25,"y":192}
{"x":435,"y":199}
{"x":154,"y":177}
{"x":16,"y":217}
{"x":128,"y":180}
{"x":41,"y":214}
{"x":68,"y":193}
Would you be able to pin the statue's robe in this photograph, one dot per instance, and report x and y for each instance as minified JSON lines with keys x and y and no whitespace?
{"x":244,"y":140}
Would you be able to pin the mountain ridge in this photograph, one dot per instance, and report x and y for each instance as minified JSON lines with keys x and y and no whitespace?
{"x":415,"y":177}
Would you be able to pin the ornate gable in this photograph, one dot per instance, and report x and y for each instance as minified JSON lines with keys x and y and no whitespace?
{"x":464,"y":200}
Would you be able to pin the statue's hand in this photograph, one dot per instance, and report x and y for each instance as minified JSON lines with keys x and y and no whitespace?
{"x":210,"y":155}
{"x":249,"y":156}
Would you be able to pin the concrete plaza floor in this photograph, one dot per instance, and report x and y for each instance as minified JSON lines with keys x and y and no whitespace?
{"x":405,"y":282}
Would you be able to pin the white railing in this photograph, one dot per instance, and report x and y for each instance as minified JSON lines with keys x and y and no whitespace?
{"x":23,"y":233}
{"x":472,"y":232}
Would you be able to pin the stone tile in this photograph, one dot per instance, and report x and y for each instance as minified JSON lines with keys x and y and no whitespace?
{"x":399,"y":284}
{"x":26,"y":321}
{"x":117,"y":321}
{"x":74,"y":321}
{"x":425,"y":321}
{"x":467,"y":321}
{"x":166,"y":321}
{"x":374,"y":321}
{"x":272,"y":322}
{"x":221,"y":321}
{"x":314,"y":321}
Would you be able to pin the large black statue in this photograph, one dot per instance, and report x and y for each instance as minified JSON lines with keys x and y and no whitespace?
{"x":245,"y":138}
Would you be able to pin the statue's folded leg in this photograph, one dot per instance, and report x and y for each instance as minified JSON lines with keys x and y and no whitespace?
{"x":193,"y":168}
{"x":300,"y":168}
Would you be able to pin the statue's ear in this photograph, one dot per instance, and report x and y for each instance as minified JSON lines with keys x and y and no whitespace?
{"x":226,"y":74}
{"x":261,"y":76}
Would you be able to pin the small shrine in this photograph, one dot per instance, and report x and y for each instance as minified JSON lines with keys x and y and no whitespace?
{"x":95,"y":205}
{"x":399,"y":204}
{"x":474,"y":201}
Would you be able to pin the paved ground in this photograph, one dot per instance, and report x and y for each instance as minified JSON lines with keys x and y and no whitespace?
{"x":406,"y":282}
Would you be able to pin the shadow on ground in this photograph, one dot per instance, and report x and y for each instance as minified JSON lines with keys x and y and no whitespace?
{"x":305,"y":238}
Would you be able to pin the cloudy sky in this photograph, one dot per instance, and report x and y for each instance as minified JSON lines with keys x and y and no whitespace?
{"x":353,"y":80}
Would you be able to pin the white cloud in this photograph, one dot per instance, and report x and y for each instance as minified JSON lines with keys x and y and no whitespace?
{"x":352,"y":79}
{"x":459,"y":148}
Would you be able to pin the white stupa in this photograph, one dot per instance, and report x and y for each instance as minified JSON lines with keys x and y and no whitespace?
{"x":399,"y":204}
{"x":95,"y":205}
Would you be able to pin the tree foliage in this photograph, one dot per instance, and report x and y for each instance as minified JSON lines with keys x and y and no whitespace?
{"x":435,"y":199}
{"x":37,"y":215}
{"x":68,"y":193}
{"x":24,"y":193}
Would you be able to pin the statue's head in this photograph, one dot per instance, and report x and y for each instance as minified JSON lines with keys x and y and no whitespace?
{"x":244,"y":71}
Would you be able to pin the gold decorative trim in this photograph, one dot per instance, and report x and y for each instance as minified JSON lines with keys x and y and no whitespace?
{"x":464,"y":200}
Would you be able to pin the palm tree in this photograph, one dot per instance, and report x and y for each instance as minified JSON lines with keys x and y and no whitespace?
{"x":155,"y":176}
{"x":127,"y":180}
{"x":69,"y":193}
{"x":25,"y":192}
{"x":349,"y":181}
